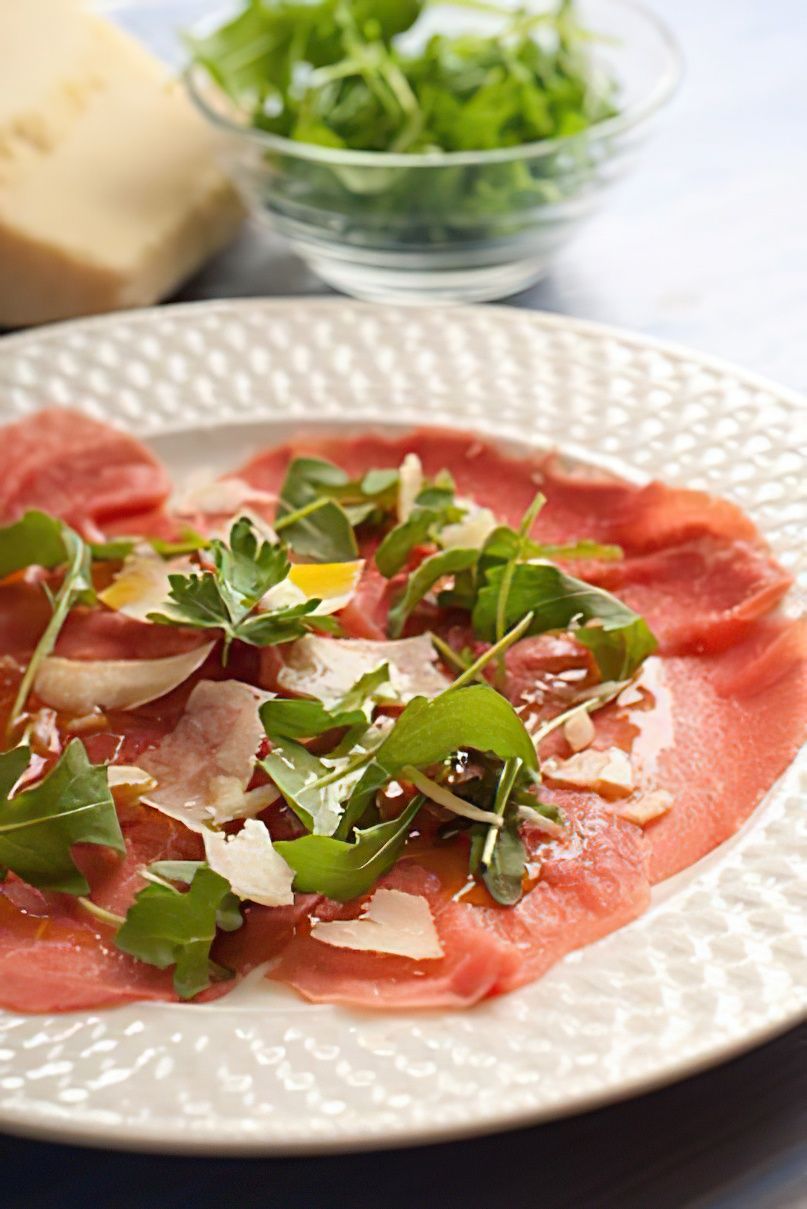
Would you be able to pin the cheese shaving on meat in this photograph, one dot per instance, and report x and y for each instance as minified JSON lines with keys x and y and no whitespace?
{"x":646,"y":807}
{"x":328,"y":667}
{"x":204,"y":766}
{"x":142,"y":585}
{"x":579,"y":730}
{"x":251,"y":865}
{"x":392,"y":922}
{"x":79,"y":686}
{"x":333,"y":584}
{"x":473,"y":530}
{"x":609,"y":770}
{"x":216,"y":496}
{"x":410,"y":484}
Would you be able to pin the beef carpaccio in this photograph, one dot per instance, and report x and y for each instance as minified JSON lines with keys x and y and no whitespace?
{"x":402,"y":719}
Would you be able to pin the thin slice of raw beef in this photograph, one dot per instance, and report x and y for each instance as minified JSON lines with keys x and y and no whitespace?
{"x":76,"y":468}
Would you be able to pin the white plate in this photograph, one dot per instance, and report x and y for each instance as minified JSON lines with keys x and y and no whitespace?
{"x":717,"y":964}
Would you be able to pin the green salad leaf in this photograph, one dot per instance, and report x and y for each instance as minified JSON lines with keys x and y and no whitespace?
{"x":36,"y":540}
{"x":226,"y":597}
{"x":366,"y":75}
{"x":292,"y":718}
{"x":41,"y":540}
{"x":427,"y":732}
{"x":423,"y":579}
{"x":313,"y":523}
{"x":434,"y":507}
{"x":341,"y":870}
{"x":618,"y":638}
{"x":38,"y":827}
{"x":165,"y":927}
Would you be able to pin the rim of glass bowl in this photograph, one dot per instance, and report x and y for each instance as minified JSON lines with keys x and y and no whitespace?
{"x":627,"y":119}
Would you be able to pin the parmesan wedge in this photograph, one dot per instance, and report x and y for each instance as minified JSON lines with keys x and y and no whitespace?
{"x":473,"y":530}
{"x":578,"y":730}
{"x":109,"y":190}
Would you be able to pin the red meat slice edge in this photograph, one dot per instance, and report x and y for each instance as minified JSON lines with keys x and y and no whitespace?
{"x":77,"y":468}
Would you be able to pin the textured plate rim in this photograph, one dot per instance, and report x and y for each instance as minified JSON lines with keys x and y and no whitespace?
{"x":154,"y":1138}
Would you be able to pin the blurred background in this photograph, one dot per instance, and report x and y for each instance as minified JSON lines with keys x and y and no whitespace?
{"x":703,"y":243}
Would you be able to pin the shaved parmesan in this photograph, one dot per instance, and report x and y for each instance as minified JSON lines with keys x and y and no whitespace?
{"x":472,"y":531}
{"x":410,"y":484}
{"x":79,"y":686}
{"x":251,"y":865}
{"x":204,"y":766}
{"x":131,"y":776}
{"x":129,"y":783}
{"x":607,"y":770}
{"x":261,"y":526}
{"x":216,"y":496}
{"x":393,"y":922}
{"x":578,"y":730}
{"x":333,"y":584}
{"x":328,"y":667}
{"x":647,"y":806}
{"x":142,"y":584}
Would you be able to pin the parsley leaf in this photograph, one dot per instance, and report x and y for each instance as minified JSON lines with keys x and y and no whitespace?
{"x":71,"y":805}
{"x":226,"y":597}
{"x":164,"y":927}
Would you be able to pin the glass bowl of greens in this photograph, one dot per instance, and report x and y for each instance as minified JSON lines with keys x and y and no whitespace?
{"x":430,"y":152}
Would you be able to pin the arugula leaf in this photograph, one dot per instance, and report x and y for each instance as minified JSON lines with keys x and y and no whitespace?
{"x":432,"y":569}
{"x":504,"y":874}
{"x":340,"y":870}
{"x":337,"y":73}
{"x":190,"y":541}
{"x":76,"y":587}
{"x":585,"y":549}
{"x":427,"y":732}
{"x":368,"y":689}
{"x":294,"y":769}
{"x":226,"y":597}
{"x":71,"y":805}
{"x":398,"y":544}
{"x":228,"y":915}
{"x":164,"y":927}
{"x":618,"y":638}
{"x":118,"y":548}
{"x":299,"y":719}
{"x":37,"y":539}
{"x":315,"y":525}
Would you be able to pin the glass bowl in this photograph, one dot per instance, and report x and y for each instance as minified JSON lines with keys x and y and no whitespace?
{"x":450,"y":226}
